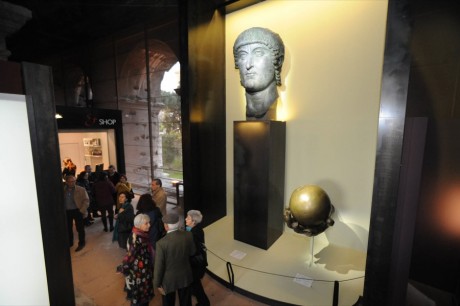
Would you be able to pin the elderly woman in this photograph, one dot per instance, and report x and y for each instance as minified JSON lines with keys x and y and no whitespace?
{"x":199,"y":260}
{"x":137,"y":265}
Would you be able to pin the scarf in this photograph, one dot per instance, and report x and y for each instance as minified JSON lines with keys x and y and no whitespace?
{"x":146,"y":238}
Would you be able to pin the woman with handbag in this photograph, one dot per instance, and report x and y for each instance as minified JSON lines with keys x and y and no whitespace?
{"x":137,"y":266}
{"x":124,"y":221}
{"x":199,"y":260}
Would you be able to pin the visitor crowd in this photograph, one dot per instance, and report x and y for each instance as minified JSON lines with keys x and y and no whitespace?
{"x":160,"y":254}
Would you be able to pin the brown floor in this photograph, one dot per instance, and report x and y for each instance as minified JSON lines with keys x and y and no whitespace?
{"x":97,"y":283}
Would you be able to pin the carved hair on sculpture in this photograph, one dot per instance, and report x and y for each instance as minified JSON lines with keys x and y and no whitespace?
{"x":267,"y":37}
{"x":259,"y":56}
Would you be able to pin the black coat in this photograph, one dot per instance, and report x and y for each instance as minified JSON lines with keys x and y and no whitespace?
{"x":199,"y":260}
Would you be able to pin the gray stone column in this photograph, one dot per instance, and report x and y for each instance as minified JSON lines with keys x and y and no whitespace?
{"x":157,"y":143}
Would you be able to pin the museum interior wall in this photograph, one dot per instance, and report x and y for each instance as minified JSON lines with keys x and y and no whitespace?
{"x":330,"y":101}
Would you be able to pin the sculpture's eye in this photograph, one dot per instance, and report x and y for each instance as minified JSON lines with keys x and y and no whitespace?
{"x":242,"y":55}
{"x":259,"y":52}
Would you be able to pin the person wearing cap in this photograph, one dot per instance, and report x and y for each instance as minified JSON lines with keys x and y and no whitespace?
{"x":172,"y":263}
{"x":259,"y":56}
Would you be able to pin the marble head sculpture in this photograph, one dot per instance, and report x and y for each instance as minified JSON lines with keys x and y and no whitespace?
{"x":259,"y":56}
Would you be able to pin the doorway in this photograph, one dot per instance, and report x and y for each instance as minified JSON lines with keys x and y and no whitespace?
{"x":94,"y":148}
{"x":91,"y":137}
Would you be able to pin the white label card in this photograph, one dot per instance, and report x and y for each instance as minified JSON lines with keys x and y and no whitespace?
{"x":237,"y":254}
{"x":303,"y":280}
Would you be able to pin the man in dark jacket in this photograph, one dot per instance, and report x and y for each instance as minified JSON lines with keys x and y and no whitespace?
{"x":172,"y":263}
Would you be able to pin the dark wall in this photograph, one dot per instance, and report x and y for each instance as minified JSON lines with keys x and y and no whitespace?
{"x":434,"y":93}
{"x":203,"y":108}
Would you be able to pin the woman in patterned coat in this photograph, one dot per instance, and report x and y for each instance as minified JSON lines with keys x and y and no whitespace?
{"x":137,"y":265}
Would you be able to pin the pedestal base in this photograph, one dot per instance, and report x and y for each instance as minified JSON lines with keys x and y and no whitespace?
{"x":259,"y":158}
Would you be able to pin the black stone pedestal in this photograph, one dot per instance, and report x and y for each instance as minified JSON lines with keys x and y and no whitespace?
{"x":259,"y":167}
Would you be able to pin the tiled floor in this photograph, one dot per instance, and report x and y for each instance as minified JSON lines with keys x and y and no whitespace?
{"x":97,"y":283}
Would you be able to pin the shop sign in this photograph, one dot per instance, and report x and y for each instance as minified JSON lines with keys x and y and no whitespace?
{"x":107,"y":121}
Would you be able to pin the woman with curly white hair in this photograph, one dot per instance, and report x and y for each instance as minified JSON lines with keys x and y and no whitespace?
{"x":138,"y":264}
{"x":199,"y":260}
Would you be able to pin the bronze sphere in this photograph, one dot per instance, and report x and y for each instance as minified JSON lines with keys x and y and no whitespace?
{"x":309,"y":211}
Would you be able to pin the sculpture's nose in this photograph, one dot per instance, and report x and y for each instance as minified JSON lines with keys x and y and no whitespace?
{"x":249,"y":62}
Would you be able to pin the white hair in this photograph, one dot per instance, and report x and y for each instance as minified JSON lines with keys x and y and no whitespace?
{"x":141,"y":219}
{"x":195,"y":215}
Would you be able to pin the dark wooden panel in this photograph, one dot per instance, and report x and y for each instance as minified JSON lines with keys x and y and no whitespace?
{"x":202,"y":56}
{"x":45,"y":149}
{"x":388,"y":158}
{"x":407,"y":204}
{"x":259,"y":168}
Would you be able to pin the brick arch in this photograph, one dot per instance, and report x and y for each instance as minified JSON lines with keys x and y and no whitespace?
{"x":132,"y":80}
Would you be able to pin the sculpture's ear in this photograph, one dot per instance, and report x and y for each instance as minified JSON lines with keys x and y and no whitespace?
{"x":280,"y":60}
